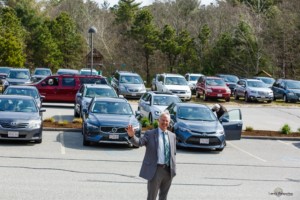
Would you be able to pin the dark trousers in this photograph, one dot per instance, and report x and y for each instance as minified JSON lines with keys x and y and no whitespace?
{"x":161,"y":182}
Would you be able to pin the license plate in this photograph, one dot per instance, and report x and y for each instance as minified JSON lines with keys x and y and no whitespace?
{"x":12,"y":134}
{"x":219,"y":95}
{"x":133,"y":95}
{"x":204,"y":141}
{"x":113,"y":137}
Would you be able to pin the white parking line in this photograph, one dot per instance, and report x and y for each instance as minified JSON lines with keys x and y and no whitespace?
{"x":246,"y":152}
{"x":288,"y":144}
{"x":62,"y":143}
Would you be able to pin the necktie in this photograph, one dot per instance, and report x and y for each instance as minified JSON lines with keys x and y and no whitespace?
{"x":166,"y":150}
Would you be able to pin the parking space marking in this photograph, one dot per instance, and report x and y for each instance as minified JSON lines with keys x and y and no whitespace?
{"x":62,"y":143}
{"x":246,"y":152}
{"x":288,"y":144}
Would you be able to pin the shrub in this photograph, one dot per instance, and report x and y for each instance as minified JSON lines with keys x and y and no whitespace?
{"x":286,"y":129}
{"x":62,"y":123}
{"x":249,"y":128}
{"x":77,"y":121}
{"x":52,"y":120}
{"x":145,"y":122}
{"x":155,"y":124}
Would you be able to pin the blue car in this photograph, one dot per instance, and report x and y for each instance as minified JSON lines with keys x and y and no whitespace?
{"x":106,"y":120}
{"x":196,"y":126}
{"x":286,"y":89}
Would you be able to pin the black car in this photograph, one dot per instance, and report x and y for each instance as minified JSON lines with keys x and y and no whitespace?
{"x":106,"y":120}
{"x":230,"y":80}
{"x":286,"y":89}
{"x":196,"y":126}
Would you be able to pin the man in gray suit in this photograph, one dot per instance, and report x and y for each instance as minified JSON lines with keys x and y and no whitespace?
{"x":159,"y":164}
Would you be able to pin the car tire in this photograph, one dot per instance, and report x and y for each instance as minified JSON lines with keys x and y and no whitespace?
{"x":205,"y":97}
{"x":85,"y":142}
{"x":219,"y":149}
{"x":247,"y":97}
{"x":269,"y":101}
{"x":150,"y":118}
{"x":236,"y":96}
{"x":197,"y":94}
{"x":285,"y":99}
{"x":227,"y":99}
{"x":38,"y":141}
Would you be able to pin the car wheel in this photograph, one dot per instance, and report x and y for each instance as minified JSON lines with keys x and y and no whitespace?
{"x":227,"y":99}
{"x":150,"y":118}
{"x":247,"y":97}
{"x":197,"y":94}
{"x":219,"y":149}
{"x":236,"y":96}
{"x":85,"y":142}
{"x":205,"y":97}
{"x":75,"y":112}
{"x":285,"y":99}
{"x":39,"y":141}
{"x":269,"y":101}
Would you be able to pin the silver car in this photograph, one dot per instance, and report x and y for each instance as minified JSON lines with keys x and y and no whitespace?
{"x":20,"y":119}
{"x":88,"y":91}
{"x":253,"y":90}
{"x":26,"y":91}
{"x":151,"y":104}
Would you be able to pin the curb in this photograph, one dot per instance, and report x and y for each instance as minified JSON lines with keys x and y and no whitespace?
{"x":243,"y":136}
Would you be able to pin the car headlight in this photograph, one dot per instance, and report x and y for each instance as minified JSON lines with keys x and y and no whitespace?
{"x":228,"y":90}
{"x":252,"y":91}
{"x":184,"y":129}
{"x":35,"y":124}
{"x":122,"y":87}
{"x":208,"y":90}
{"x":157,"y":113}
{"x":220,"y":132}
{"x":188,"y":91}
{"x":92,"y":127}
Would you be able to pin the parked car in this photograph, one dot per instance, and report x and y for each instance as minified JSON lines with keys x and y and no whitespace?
{"x":67,"y":71}
{"x":18,"y":76}
{"x":151,"y":104}
{"x":25,"y":90}
{"x":211,"y":87}
{"x":253,"y":90}
{"x":106,"y":121}
{"x":154,"y":82}
{"x":87,"y":71}
{"x":128,"y":84}
{"x":287,"y":89}
{"x":63,"y":88}
{"x":192,"y":80}
{"x":4,"y":70}
{"x":230,"y":80}
{"x":3,"y":82}
{"x":269,"y":81}
{"x":20,"y":118}
{"x":196,"y":126}
{"x":40,"y":73}
{"x":88,"y":91}
{"x":176,"y":84}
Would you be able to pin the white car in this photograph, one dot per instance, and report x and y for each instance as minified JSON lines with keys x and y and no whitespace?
{"x":151,"y":104}
{"x":175,"y":84}
{"x":192,"y":80}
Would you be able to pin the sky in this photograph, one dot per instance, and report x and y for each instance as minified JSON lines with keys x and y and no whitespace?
{"x":147,"y":2}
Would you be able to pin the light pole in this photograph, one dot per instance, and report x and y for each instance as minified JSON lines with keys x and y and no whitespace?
{"x":91,"y":31}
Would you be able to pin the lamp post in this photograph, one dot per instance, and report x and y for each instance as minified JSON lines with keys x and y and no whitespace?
{"x":91,"y":31}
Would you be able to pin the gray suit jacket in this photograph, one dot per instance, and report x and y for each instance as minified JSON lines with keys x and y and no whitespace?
{"x":150,"y":140}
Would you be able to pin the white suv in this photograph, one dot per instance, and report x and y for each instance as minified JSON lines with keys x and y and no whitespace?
{"x":176,"y":84}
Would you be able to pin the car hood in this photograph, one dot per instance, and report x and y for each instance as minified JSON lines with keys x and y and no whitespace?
{"x":200,"y":126}
{"x":18,"y":81}
{"x":160,"y":108}
{"x":177,"y":87}
{"x":260,"y":89}
{"x":7,"y":116}
{"x":112,"y":120}
{"x":295,"y":90}
{"x":133,"y":86}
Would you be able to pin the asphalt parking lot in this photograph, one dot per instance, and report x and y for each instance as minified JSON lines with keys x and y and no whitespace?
{"x":62,"y":168}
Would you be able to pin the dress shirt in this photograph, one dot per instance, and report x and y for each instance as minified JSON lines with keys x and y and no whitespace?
{"x":160,"y":149}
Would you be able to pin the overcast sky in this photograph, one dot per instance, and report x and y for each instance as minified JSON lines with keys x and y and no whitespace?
{"x":146,"y":2}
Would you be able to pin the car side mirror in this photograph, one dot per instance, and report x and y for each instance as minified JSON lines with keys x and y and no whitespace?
{"x":138,"y":114}
{"x":42,"y":110}
{"x":42,"y":97}
{"x":79,"y":94}
{"x":43,"y":83}
{"x":121,"y":96}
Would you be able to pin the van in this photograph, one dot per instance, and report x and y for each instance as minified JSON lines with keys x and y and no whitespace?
{"x":63,"y":88}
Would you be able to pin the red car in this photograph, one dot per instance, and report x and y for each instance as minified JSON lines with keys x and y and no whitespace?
{"x":212,"y":87}
{"x":63,"y":88}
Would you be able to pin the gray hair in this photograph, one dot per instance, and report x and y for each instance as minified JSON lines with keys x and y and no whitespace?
{"x":165,"y":113}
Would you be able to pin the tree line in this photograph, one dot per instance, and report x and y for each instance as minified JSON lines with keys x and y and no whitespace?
{"x":241,"y":37}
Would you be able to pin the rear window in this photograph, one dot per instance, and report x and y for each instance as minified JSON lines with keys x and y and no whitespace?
{"x":90,"y":80}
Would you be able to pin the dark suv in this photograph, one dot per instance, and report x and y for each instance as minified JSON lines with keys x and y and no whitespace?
{"x":286,"y":89}
{"x":128,"y":84}
{"x":63,"y":88}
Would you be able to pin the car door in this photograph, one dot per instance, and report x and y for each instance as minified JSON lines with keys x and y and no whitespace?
{"x":68,"y":89}
{"x":233,"y":124}
{"x":144,"y":104}
{"x":48,"y":88}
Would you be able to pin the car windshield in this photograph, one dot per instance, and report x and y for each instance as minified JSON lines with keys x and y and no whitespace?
{"x":43,"y":72}
{"x":17,"y":105}
{"x":131,"y":79}
{"x":175,"y":81}
{"x":19,"y":74}
{"x":293,"y":84}
{"x":100,"y":92}
{"x":194,"y":78}
{"x":165,"y":100}
{"x":20,"y":91}
{"x":215,"y":82}
{"x":88,"y":72}
{"x":195,"y":114}
{"x":267,"y":80}
{"x":4,"y":70}
{"x":119,"y":108}
{"x":229,"y":78}
{"x":256,"y":84}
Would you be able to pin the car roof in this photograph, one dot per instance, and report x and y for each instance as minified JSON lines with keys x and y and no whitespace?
{"x":97,"y":86}
{"x":213,"y":77}
{"x":43,"y":68}
{"x":110,"y":99}
{"x":22,"y":86}
{"x":161,"y":93}
{"x":127,"y":73}
{"x":87,"y":69}
{"x":184,"y":104}
{"x":251,"y":79}
{"x":172,"y":75}
{"x":194,"y":74}
{"x":16,"y":97}
{"x":19,"y":69}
